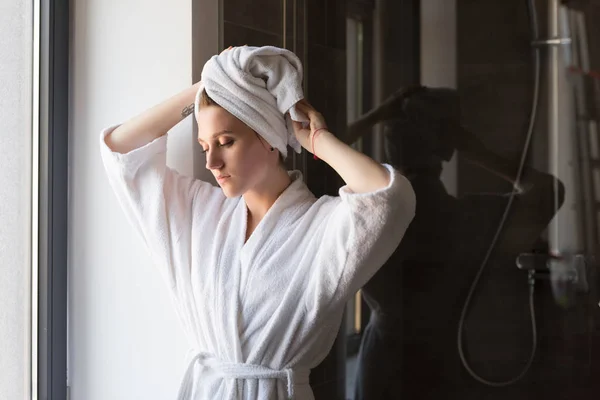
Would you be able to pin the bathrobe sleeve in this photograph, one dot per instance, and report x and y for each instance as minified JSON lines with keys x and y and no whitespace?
{"x":359,"y":234}
{"x":159,"y":203}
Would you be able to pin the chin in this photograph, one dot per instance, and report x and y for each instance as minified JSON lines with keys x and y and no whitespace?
{"x":230,"y":192}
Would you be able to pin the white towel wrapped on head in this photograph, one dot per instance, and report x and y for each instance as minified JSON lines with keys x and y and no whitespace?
{"x":260,"y":86}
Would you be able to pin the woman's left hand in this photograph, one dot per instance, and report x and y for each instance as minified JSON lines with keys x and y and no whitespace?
{"x":317,"y":122}
{"x":361,"y":173}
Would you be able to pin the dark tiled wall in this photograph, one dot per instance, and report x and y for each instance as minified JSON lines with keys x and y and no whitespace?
{"x":255,"y":23}
{"x":326,"y":79}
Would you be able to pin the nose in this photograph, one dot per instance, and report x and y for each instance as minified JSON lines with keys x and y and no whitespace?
{"x":213,"y":160}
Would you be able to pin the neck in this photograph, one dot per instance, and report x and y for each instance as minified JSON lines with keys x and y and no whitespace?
{"x":261,"y":198}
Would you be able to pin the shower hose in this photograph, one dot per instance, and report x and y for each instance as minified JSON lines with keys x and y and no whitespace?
{"x":532,"y":117}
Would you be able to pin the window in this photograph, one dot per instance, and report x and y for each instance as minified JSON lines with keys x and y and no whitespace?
{"x":33,"y":199}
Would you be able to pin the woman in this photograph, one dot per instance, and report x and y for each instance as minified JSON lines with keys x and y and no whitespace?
{"x":259,"y":269}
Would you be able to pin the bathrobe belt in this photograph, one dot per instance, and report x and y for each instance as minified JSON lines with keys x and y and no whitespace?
{"x":293,"y":377}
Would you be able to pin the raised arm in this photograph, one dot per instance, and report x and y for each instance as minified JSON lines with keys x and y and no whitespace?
{"x":152,"y":123}
{"x":391,"y":108}
{"x":361,"y":173}
{"x":365,"y":224}
{"x":159,"y":202}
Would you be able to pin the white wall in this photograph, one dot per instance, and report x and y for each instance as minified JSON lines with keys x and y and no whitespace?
{"x":124,"y":339}
{"x":16,"y":74}
{"x":438,"y":60}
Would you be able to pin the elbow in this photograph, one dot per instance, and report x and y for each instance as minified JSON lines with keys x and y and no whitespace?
{"x":401,"y":198}
{"x":112,"y":140}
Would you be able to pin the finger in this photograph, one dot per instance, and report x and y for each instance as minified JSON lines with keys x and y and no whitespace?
{"x":313,"y":114}
{"x":316,"y":119}
{"x":303,"y":110}
{"x":306,"y":104}
{"x":305,"y":107}
{"x":300,"y":105}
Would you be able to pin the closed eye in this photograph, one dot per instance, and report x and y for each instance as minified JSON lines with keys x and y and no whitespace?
{"x":226,"y":144}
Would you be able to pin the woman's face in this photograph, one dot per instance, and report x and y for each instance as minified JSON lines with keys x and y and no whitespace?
{"x":237,"y":157}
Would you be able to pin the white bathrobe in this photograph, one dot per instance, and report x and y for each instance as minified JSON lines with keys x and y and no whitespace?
{"x":259,"y":315}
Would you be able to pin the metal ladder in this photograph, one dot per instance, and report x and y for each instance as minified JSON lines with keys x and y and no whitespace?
{"x":586,"y":84}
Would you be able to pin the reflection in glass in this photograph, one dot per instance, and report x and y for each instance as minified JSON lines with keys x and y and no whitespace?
{"x":494,"y":286}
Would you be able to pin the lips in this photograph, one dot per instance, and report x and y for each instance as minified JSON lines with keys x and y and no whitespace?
{"x":222,"y":178}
